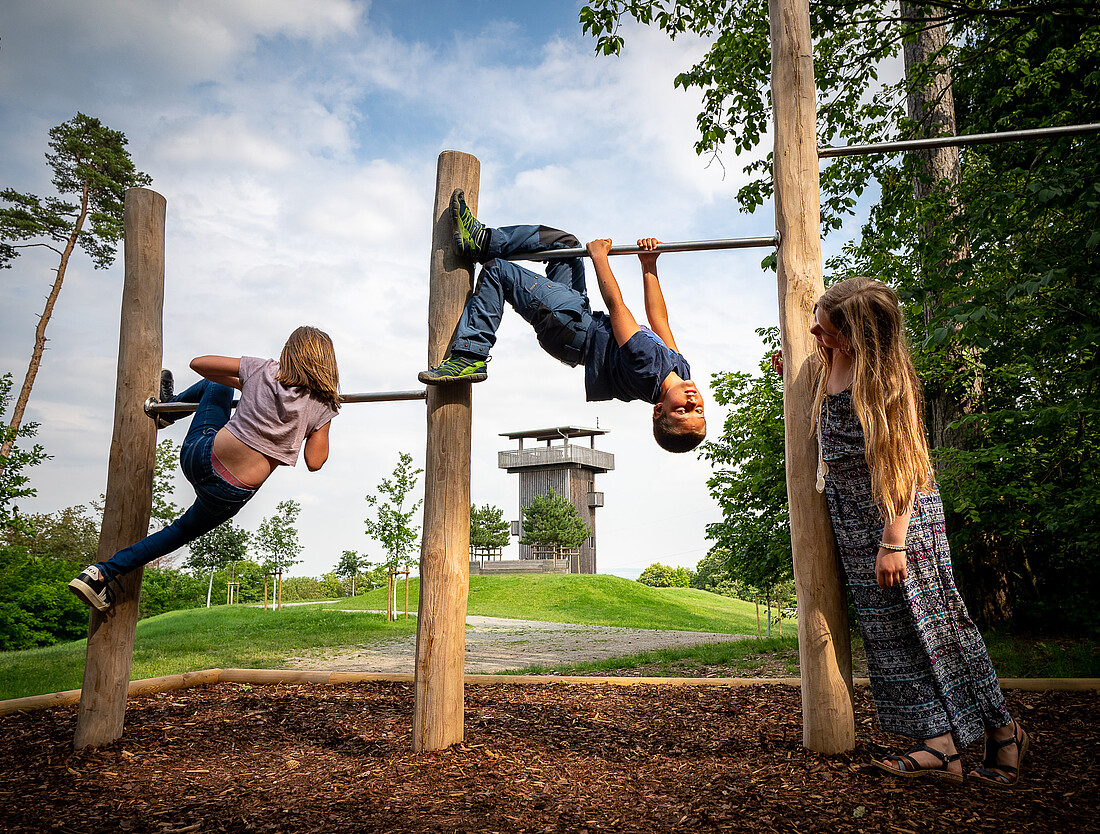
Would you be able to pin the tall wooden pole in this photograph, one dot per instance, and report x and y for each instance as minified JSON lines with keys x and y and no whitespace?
{"x":823,"y":643}
{"x":129,"y":469}
{"x":445,"y":549}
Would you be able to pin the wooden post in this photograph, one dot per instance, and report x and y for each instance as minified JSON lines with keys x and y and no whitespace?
{"x":444,"y":551}
{"x":824,"y":645}
{"x":129,"y":469}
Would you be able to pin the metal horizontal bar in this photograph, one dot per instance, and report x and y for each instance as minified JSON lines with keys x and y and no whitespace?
{"x":153,"y":407}
{"x":385,"y":396}
{"x":632,"y":249}
{"x":948,"y":141}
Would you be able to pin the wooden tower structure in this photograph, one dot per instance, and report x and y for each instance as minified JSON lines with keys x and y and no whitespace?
{"x":567,"y":467}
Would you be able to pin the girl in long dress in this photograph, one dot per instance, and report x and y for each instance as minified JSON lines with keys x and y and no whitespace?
{"x":931,"y":676}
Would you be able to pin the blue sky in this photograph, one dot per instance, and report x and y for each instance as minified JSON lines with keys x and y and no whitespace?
{"x":296,"y":145}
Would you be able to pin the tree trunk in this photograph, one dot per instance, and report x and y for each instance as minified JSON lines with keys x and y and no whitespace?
{"x":932,"y":108}
{"x":40,"y":331}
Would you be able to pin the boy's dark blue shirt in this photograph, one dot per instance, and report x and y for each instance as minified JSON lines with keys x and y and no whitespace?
{"x":634,"y":371}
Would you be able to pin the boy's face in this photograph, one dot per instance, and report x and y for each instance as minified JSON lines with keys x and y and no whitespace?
{"x":683,"y":404}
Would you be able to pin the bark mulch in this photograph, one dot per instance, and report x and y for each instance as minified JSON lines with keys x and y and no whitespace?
{"x":536,"y":758}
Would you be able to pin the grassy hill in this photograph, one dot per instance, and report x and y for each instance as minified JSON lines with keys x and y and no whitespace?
{"x":588,"y":600}
{"x":246,"y":637}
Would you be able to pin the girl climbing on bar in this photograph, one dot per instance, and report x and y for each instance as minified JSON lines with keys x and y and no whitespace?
{"x":227,"y":455}
{"x":931,"y":676}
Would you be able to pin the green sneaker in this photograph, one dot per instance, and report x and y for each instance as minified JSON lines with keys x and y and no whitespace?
{"x":470,"y":233}
{"x":456,"y":368}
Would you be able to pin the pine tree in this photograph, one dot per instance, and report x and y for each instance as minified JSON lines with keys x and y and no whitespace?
{"x":90,"y":160}
{"x":552,"y":521}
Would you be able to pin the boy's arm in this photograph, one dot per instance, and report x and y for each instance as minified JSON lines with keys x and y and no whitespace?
{"x":222,"y":369}
{"x":655,"y":309}
{"x":623,"y":325}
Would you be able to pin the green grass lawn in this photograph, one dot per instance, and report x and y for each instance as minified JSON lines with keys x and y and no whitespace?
{"x":246,"y":637}
{"x":588,"y":600}
{"x":775,"y":656}
{"x":200,"y":638}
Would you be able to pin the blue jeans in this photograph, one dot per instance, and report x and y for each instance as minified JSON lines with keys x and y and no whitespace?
{"x":216,"y":500}
{"x":555,"y":305}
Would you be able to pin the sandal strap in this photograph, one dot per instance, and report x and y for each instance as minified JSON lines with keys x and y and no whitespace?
{"x":907,"y":764}
{"x":992,"y":746}
{"x":993,"y":775}
{"x":945,"y":758}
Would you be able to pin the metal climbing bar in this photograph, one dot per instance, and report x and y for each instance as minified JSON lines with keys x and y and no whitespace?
{"x":632,"y":249}
{"x":153,"y":407}
{"x":948,"y":141}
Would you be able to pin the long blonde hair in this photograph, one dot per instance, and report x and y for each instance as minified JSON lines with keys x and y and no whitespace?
{"x":308,"y":361}
{"x":886,"y":394}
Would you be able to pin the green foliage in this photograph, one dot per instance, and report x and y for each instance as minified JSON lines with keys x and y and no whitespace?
{"x":68,"y":535}
{"x":304,"y":588}
{"x":225,"y":544}
{"x":377,"y":576}
{"x":552,"y":520}
{"x":851,"y":41}
{"x":89,"y":160}
{"x":349,"y":568}
{"x":36,"y":607}
{"x":166,"y":589}
{"x":488,"y":529}
{"x":663,"y":576}
{"x":1020,"y":491}
{"x":277,"y":538}
{"x":350,"y":564}
{"x":13,"y":478}
{"x":712,"y":574}
{"x":753,"y":539}
{"x":392,"y":525}
{"x":164,"y":510}
{"x":999,"y":273}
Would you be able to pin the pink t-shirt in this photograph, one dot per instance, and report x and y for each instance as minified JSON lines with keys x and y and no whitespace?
{"x":272,"y":418}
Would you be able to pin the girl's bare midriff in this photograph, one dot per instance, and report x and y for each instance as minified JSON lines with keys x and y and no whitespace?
{"x":246,"y":464}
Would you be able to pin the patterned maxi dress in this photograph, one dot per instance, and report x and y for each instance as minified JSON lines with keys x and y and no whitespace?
{"x":929,"y":668}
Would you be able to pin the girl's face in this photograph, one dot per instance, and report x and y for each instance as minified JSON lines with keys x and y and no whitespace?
{"x":826,"y":335}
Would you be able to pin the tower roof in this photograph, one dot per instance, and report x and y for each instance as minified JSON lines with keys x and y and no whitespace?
{"x":557,"y":433}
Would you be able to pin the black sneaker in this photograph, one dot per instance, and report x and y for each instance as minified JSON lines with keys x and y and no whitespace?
{"x":92,"y":588}
{"x":456,"y":368}
{"x":471,"y":236}
{"x":167,"y":385}
{"x":167,"y":391}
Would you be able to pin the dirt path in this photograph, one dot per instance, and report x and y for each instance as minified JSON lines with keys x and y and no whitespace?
{"x":494,"y":644}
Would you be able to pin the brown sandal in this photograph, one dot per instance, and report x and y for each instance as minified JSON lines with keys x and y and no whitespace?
{"x":910,"y":768}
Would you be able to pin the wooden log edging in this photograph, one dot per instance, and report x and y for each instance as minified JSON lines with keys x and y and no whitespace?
{"x":167,"y":683}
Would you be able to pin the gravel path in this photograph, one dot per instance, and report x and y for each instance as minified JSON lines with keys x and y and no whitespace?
{"x":494,"y":644}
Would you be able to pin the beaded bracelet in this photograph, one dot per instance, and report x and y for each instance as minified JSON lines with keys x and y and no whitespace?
{"x":897,"y":548}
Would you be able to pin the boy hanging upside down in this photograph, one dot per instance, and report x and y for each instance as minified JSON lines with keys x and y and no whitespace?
{"x":622,"y":360}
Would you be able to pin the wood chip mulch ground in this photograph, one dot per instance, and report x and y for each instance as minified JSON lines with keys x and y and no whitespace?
{"x":536,"y":758}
